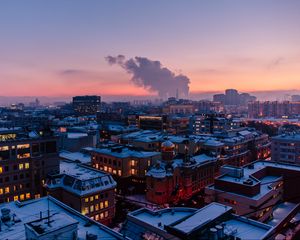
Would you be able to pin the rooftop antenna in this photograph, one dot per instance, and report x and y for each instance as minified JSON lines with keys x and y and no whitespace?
{"x":48,"y":203}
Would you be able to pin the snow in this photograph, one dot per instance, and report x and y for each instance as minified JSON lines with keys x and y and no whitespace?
{"x":29,"y":211}
{"x":201,"y":217}
{"x":281,"y":212}
{"x":246,"y":229}
{"x":126,"y":153}
{"x":80,"y":179}
{"x":162,"y":217}
{"x":75,"y":156}
{"x":77,"y":135}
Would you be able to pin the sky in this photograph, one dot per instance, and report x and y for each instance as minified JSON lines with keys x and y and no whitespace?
{"x":58,"y":47}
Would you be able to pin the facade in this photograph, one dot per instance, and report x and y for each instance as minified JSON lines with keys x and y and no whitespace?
{"x":172,"y":180}
{"x":255,"y":190}
{"x":286,"y":148}
{"x":127,"y":165}
{"x":25,"y":163}
{"x":87,"y":190}
{"x":87,"y":105}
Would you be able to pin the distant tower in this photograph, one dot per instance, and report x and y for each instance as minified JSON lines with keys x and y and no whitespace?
{"x":167,"y":150}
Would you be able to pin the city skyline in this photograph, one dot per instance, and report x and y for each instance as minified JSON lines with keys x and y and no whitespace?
{"x":58,"y":48}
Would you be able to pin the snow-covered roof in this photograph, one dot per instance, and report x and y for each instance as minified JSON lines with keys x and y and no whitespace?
{"x":124,"y":152}
{"x":75,"y":156}
{"x":80,"y":179}
{"x":29,"y":211}
{"x":202,"y":216}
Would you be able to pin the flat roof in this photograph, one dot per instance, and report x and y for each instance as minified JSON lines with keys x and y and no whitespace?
{"x":76,"y":156}
{"x":29,"y":211}
{"x":162,"y":217}
{"x":246,"y":229}
{"x":125,"y":153}
{"x":201,"y":217}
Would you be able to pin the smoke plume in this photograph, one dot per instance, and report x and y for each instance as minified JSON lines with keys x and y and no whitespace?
{"x":152,"y":76}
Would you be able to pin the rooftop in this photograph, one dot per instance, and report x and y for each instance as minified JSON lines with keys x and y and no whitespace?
{"x":80,"y":179}
{"x":123,"y":152}
{"x":29,"y":211}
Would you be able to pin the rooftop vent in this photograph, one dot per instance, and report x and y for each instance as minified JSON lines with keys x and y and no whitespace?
{"x":90,"y":236}
{"x":5,"y":217}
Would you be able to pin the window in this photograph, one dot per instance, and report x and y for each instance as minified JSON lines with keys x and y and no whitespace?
{"x":21,"y":166}
{"x":86,"y":200}
{"x":22,"y":197}
{"x":1,"y":169}
{"x":106,"y":214}
{"x":1,"y":191}
{"x":101,"y":205}
{"x":92,"y":198}
{"x":6,"y":190}
{"x":27,"y":195}
{"x":92,"y":208}
{"x":16,"y":198}
{"x":106,"y":204}
{"x":26,"y":165}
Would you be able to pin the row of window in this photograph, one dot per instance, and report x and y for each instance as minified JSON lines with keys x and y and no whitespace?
{"x":15,"y":188}
{"x":96,"y":207}
{"x":100,"y":216}
{"x":95,"y":197}
{"x":22,"y":197}
{"x":21,"y":166}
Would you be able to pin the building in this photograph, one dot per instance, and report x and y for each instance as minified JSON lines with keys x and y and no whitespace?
{"x":286,"y":148}
{"x":295,"y":98}
{"x":173,"y":179}
{"x":25,"y":161}
{"x":256,"y":189}
{"x":128,"y":165}
{"x":273,"y":109}
{"x":87,"y":105}
{"x":232,"y":97}
{"x":47,"y":218}
{"x":212,"y":222}
{"x":87,"y":190}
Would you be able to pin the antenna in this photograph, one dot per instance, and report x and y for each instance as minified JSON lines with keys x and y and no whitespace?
{"x":48,"y":222}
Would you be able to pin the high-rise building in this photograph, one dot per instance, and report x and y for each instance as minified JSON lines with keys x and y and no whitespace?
{"x":25,"y":163}
{"x":87,"y":105}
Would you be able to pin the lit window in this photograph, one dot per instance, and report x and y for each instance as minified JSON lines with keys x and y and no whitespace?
{"x":1,"y":191}
{"x":105,"y":168}
{"x":96,"y":197}
{"x":22,"y":197}
{"x":106,"y":204}
{"x":97,"y":217}
{"x":106,"y":214}
{"x":119,"y":172}
{"x":1,"y":169}
{"x":23,"y":146}
{"x":26,"y":165}
{"x":91,"y":198}
{"x":86,"y":199}
{"x":16,"y":198}
{"x":21,"y":166}
{"x":101,"y":215}
{"x":101,"y":205}
{"x":36,"y":196}
{"x":27,"y":195}
{"x":97,"y":207}
{"x":92,"y":208}
{"x":6,"y":190}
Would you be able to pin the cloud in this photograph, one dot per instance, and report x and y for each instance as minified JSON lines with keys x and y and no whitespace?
{"x":153,"y":76}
